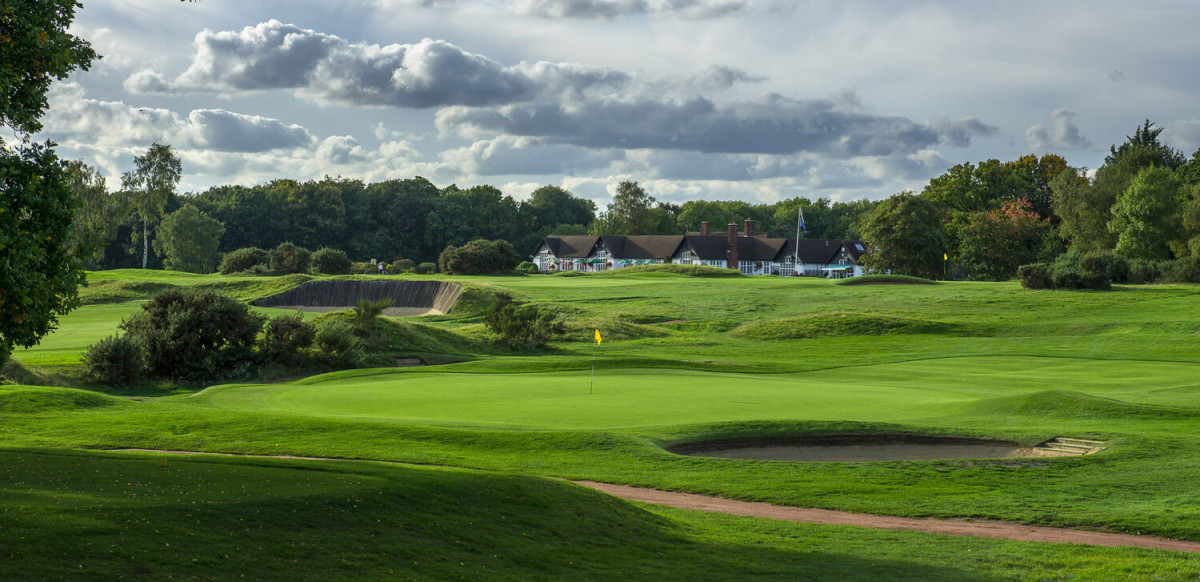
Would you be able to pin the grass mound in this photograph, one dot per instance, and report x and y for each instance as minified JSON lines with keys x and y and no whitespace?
{"x":120,"y":291}
{"x":255,"y":288}
{"x":885,"y":280}
{"x":1067,"y":404}
{"x":34,"y":399}
{"x":836,"y":324}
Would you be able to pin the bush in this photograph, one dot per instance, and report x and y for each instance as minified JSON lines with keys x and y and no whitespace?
{"x":479,"y":257}
{"x":1182,"y":270}
{"x":1065,"y":272}
{"x":1142,"y":271}
{"x":1118,"y":269}
{"x":523,"y":325}
{"x":425,"y":269}
{"x":1035,"y":276}
{"x":1096,"y":271}
{"x":117,"y":360}
{"x":288,"y":258}
{"x":366,"y":311}
{"x":194,"y":334}
{"x":330,"y":261}
{"x":402,"y":266}
{"x":528,"y":268}
{"x":242,"y":260}
{"x":337,"y":345}
{"x":285,"y":337}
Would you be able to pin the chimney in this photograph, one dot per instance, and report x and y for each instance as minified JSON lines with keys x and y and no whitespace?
{"x":704,"y":227}
{"x":749,"y":225}
{"x":731,"y":247}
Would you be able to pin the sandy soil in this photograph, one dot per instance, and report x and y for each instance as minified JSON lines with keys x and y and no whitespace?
{"x":983,"y":529}
{"x":390,"y":312}
{"x":876,"y":452}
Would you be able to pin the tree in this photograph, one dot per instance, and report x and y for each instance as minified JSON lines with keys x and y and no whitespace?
{"x":479,"y":257}
{"x":96,"y":214}
{"x":1148,"y":216}
{"x":36,"y":50}
{"x":631,"y":209}
{"x":39,"y":278}
{"x":149,"y":185}
{"x":189,"y":241}
{"x":994,"y":243}
{"x":904,"y":235}
{"x":39,"y":275}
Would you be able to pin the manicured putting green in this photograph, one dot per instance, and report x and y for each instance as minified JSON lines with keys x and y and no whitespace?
{"x":901,"y":392}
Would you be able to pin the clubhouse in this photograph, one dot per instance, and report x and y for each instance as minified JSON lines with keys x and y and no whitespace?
{"x":749,"y":251}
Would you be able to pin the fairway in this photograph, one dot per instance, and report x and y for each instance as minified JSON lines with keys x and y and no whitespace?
{"x":900,"y":392}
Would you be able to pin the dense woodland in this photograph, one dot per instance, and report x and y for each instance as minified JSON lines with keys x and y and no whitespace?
{"x":977,"y":220}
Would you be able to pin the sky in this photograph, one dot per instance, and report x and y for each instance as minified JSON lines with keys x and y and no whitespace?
{"x":755,"y":100}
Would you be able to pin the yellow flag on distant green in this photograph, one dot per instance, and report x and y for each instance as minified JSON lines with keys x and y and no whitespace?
{"x":597,"y":337}
{"x":945,"y":257}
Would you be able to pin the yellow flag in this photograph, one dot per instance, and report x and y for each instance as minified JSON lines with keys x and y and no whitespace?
{"x":945,"y":257}
{"x":597,"y":336}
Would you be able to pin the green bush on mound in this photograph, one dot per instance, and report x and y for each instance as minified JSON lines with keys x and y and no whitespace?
{"x":835,"y":325}
{"x":243,"y":260}
{"x":330,"y":261}
{"x":117,"y":360}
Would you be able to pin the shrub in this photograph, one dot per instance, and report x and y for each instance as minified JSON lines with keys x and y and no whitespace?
{"x":243,"y":259}
{"x":194,"y":334}
{"x":425,"y":269}
{"x":1118,"y":269}
{"x":337,"y":345}
{"x":1095,"y":271}
{"x":288,"y":258}
{"x":117,"y":360}
{"x":479,"y":257}
{"x":1065,"y":272}
{"x":528,"y":268}
{"x":523,"y":325}
{"x":330,"y":261}
{"x":1142,"y":271}
{"x":1182,"y":270}
{"x":1035,"y":276}
{"x":366,"y":311}
{"x":285,"y":336}
{"x":402,"y":266}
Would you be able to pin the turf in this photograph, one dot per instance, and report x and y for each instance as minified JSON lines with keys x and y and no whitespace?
{"x":684,"y":358}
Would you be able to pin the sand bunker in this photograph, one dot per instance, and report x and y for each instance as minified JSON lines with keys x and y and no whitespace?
{"x":849,"y":448}
{"x":408,"y":297}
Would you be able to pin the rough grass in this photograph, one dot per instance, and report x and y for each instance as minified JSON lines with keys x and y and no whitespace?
{"x":884,"y":280}
{"x":837,"y":324}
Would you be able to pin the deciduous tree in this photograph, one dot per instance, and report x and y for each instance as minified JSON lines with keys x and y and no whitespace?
{"x":904,"y":235}
{"x":1148,"y":216}
{"x":189,"y":241}
{"x":149,"y":185}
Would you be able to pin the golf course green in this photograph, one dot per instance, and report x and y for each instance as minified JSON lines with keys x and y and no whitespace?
{"x":458,"y":469}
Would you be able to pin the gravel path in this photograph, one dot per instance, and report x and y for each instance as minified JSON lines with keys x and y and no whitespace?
{"x":982,"y":529}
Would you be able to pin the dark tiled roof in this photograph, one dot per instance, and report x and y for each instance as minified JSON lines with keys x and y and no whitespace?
{"x":571,"y":246}
{"x":752,"y":248}
{"x":709,"y":247}
{"x":855,"y":248}
{"x":650,"y":246}
{"x":818,"y":250}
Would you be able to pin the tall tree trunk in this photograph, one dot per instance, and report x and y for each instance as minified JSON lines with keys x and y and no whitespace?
{"x":145,"y":244}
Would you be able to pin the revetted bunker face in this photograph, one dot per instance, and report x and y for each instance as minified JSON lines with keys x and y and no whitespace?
{"x":849,"y":448}
{"x":408,"y":297}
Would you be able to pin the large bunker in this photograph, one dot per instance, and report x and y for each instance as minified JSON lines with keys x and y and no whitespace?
{"x":408,"y":297}
{"x":868,"y":447}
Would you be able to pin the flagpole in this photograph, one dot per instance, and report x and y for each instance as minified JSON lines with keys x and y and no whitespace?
{"x":593,"y":380}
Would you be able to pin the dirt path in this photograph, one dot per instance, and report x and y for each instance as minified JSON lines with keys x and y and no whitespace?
{"x":981,"y":529}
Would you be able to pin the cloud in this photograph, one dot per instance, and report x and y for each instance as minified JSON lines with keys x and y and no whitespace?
{"x":1062,"y":134}
{"x":704,"y":9}
{"x":328,"y":69}
{"x":115,"y":124}
{"x":1184,"y":135}
{"x":721,"y":77}
{"x":507,"y":155}
{"x":606,"y":9}
{"x":769,"y":125}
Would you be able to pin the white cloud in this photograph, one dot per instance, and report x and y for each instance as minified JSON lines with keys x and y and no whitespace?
{"x":1062,"y":134}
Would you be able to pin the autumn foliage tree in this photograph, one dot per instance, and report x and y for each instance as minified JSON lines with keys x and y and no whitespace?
{"x":994,"y":243}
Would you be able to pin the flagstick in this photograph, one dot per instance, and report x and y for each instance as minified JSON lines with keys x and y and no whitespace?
{"x":593,"y":380}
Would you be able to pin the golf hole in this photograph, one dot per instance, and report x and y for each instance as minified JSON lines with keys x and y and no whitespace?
{"x":850,"y":448}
